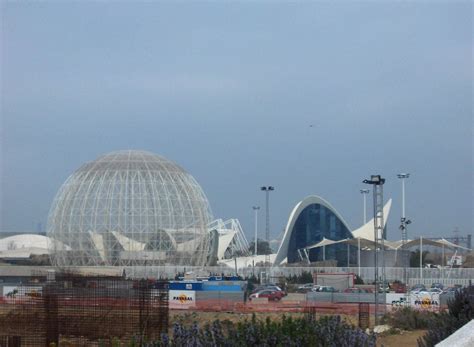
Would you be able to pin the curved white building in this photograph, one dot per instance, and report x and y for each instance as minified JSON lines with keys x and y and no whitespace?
{"x":311,"y":220}
{"x":312,"y":229}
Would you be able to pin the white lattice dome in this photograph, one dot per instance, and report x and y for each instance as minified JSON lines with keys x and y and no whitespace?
{"x":130,"y":208}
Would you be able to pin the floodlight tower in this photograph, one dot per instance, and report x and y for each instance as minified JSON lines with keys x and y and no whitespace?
{"x":255,"y":209}
{"x":377,"y":182}
{"x":403,"y":227}
{"x":267,"y":190}
{"x":364,"y":193}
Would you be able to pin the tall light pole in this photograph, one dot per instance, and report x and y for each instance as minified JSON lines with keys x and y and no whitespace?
{"x":377,"y":183}
{"x":255,"y":209}
{"x":403,"y":227}
{"x":364,"y":193}
{"x":267,"y":190}
{"x":403,"y":176}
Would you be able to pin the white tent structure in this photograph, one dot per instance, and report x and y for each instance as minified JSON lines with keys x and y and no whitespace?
{"x":232,"y":240}
{"x":23,"y":246}
{"x":367,"y":244}
{"x":366,"y":231}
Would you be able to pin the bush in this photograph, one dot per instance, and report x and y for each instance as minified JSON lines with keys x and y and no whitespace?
{"x":460,"y":312}
{"x":327,"y":331}
{"x":407,"y":318}
{"x":305,"y":277}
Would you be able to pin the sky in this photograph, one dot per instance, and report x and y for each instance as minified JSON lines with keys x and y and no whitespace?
{"x":309,"y":97}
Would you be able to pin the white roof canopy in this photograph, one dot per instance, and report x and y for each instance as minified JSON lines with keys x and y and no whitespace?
{"x":394,"y":245}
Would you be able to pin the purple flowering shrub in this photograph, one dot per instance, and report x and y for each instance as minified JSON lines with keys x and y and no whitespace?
{"x":327,"y":331}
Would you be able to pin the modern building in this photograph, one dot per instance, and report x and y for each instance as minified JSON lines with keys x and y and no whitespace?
{"x":315,"y":222}
{"x":21,"y":247}
{"x":130,"y":208}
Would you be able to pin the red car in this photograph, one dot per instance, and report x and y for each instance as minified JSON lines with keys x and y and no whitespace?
{"x":271,"y":295}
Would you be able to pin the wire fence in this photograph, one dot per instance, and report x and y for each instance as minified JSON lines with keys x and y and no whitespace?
{"x":83,"y":311}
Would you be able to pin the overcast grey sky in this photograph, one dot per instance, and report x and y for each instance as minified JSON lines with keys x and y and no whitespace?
{"x":229,"y":91}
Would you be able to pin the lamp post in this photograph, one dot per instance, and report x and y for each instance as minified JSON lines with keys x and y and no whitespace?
{"x":377,"y":182}
{"x":403,"y":176}
{"x":255,"y":209}
{"x":403,"y":227}
{"x":267,"y":190}
{"x":364,"y":193}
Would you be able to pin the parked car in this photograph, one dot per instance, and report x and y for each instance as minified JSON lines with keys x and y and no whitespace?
{"x":435,"y":290}
{"x":269,"y":287}
{"x":398,"y":287}
{"x":327,"y":289}
{"x":451,"y":290}
{"x":401,"y":289}
{"x":418,"y":288}
{"x":271,"y":295}
{"x":437,"y":285}
{"x":305,"y":288}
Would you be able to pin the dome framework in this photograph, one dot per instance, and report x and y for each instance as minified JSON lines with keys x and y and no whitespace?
{"x":130,"y":208}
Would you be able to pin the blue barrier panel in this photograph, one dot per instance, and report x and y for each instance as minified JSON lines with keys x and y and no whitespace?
{"x":197,"y":286}
{"x":228,"y":288}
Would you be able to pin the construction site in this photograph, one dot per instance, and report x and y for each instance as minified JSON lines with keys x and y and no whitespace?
{"x":75,"y":310}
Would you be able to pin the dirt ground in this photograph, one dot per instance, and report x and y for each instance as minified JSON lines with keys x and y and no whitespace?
{"x":405,"y":339}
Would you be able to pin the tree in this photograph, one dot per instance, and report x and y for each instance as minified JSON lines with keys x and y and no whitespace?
{"x":263,"y":247}
{"x":415,"y":258}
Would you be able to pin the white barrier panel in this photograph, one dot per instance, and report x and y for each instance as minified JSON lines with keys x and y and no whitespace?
{"x":16,"y":291}
{"x":425,"y":301}
{"x":182,"y":299}
{"x":396,"y":300}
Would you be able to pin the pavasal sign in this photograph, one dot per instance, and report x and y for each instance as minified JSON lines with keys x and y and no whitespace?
{"x":183,"y":298}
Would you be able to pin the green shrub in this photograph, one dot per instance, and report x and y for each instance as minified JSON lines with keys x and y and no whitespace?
{"x":305,"y":277}
{"x":407,"y":318}
{"x":460,"y":312}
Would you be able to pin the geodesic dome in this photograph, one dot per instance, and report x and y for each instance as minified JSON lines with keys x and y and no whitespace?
{"x":130,"y":208}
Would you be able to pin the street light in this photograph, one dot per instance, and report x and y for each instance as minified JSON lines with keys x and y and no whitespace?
{"x":364,"y":193}
{"x":377,"y":183}
{"x":255,"y":209}
{"x":403,"y":176}
{"x":404,"y":222}
{"x":267,"y":190}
